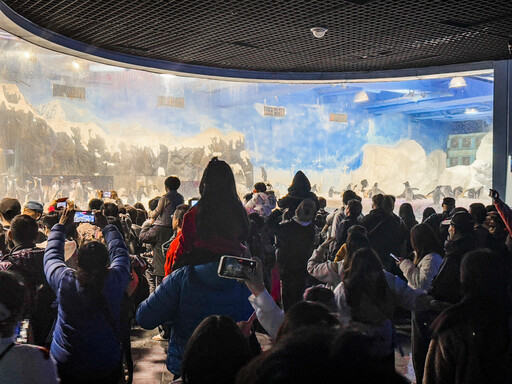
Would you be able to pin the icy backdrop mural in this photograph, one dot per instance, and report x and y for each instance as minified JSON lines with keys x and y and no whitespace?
{"x":69,"y":126}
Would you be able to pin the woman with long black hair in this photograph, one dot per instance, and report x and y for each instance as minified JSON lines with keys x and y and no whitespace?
{"x":368,"y":297}
{"x":217,"y":225}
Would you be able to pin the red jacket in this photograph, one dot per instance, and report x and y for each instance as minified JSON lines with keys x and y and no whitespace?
{"x":171,"y":253}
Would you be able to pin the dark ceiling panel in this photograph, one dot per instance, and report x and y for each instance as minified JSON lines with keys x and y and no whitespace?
{"x":274,"y":36}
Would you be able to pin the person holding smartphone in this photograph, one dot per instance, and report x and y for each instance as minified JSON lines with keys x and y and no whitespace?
{"x":85,"y":340}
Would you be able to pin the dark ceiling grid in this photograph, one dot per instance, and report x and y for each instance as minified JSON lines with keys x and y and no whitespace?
{"x":363,"y":35}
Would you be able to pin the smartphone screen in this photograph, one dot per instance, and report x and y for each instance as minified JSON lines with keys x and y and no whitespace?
{"x":233,"y":267}
{"x":193,"y":202}
{"x":84,"y":217}
{"x":394,"y":257}
{"x":107,"y":194}
{"x":62,"y":205}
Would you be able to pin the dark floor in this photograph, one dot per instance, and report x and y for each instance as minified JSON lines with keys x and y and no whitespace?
{"x":149,"y":356}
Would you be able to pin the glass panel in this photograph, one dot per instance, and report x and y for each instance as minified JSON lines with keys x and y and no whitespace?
{"x":72,"y":126}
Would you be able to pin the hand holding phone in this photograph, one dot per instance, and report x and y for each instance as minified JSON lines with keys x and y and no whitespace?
{"x":107,"y":195}
{"x":394,"y":257}
{"x":84,"y":217}
{"x":494,"y":194}
{"x":233,"y":267}
{"x":62,"y":203}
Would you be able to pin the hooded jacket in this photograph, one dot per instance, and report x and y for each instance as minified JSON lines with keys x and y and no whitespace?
{"x":187,"y":297}
{"x":298,"y":191}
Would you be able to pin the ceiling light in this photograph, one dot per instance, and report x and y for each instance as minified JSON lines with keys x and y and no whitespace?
{"x":361,"y":97}
{"x":471,"y":111}
{"x":457,"y":82}
{"x":318,"y":32}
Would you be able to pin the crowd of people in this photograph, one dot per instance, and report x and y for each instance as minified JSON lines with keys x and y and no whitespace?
{"x":327,"y":288}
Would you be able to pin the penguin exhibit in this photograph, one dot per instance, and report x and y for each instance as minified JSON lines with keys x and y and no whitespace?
{"x":71,"y":126}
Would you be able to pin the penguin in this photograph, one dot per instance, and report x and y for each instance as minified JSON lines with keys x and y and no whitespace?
{"x":408,"y":192}
{"x":447,"y":191}
{"x":437,"y":195}
{"x":375,"y":191}
{"x":364,"y":185}
{"x":457,"y":191}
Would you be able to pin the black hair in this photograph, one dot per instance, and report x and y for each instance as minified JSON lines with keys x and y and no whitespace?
{"x":406,"y":213}
{"x":306,"y":313}
{"x":133,"y":213}
{"x":348,"y":195}
{"x":260,"y":187}
{"x":357,"y":229}
{"x":322,"y":202}
{"x":92,"y":264}
{"x":95,"y":204}
{"x":300,"y":357}
{"x":215,"y":352}
{"x":141,"y":217}
{"x":355,"y":207}
{"x":378,"y":200}
{"x":180,"y":212}
{"x":110,"y":209}
{"x":139,"y":205}
{"x":219,"y":211}
{"x":478,"y":212}
{"x":24,"y":229}
{"x":364,"y":262}
{"x":427,"y":212}
{"x":355,"y":241}
{"x":424,"y":241}
{"x":321,"y":295}
{"x":153,"y":203}
{"x":122,"y":210}
{"x":172,"y":183}
{"x":248,"y":197}
{"x":50,"y":219}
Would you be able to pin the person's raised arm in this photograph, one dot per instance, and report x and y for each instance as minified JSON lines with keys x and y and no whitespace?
{"x":117,"y":249}
{"x":322,"y":269}
{"x":269,"y":314}
{"x":54,"y":265}
{"x":503,"y":209}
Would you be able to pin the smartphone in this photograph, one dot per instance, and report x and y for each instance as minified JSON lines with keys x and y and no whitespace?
{"x":493,"y":193}
{"x":107,"y":195}
{"x":84,"y":217}
{"x":62,"y":205}
{"x":394,"y":257}
{"x":233,"y":267}
{"x":193,"y":202}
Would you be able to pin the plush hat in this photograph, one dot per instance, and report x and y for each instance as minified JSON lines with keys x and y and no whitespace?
{"x":9,"y":208}
{"x":34,"y":206}
{"x":462,"y":221}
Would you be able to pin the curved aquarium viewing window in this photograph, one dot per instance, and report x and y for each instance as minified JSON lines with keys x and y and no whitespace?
{"x":71,"y":126}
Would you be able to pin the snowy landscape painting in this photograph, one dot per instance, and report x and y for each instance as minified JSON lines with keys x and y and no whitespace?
{"x":69,"y":122}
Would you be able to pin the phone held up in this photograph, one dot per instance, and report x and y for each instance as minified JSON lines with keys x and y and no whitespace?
{"x":394,"y":257}
{"x":84,"y":217}
{"x":233,"y":267}
{"x":62,"y":203}
{"x":107,"y":195}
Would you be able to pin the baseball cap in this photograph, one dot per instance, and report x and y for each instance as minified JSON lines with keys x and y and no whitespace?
{"x":463,"y":221}
{"x":9,"y":208}
{"x":34,"y":206}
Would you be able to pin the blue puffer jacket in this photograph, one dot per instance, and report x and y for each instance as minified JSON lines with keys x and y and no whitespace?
{"x":187,"y":297}
{"x":85,"y":336}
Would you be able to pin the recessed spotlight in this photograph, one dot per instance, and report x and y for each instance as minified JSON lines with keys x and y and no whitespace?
{"x":457,"y":82}
{"x":318,"y":32}
{"x":361,"y":97}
